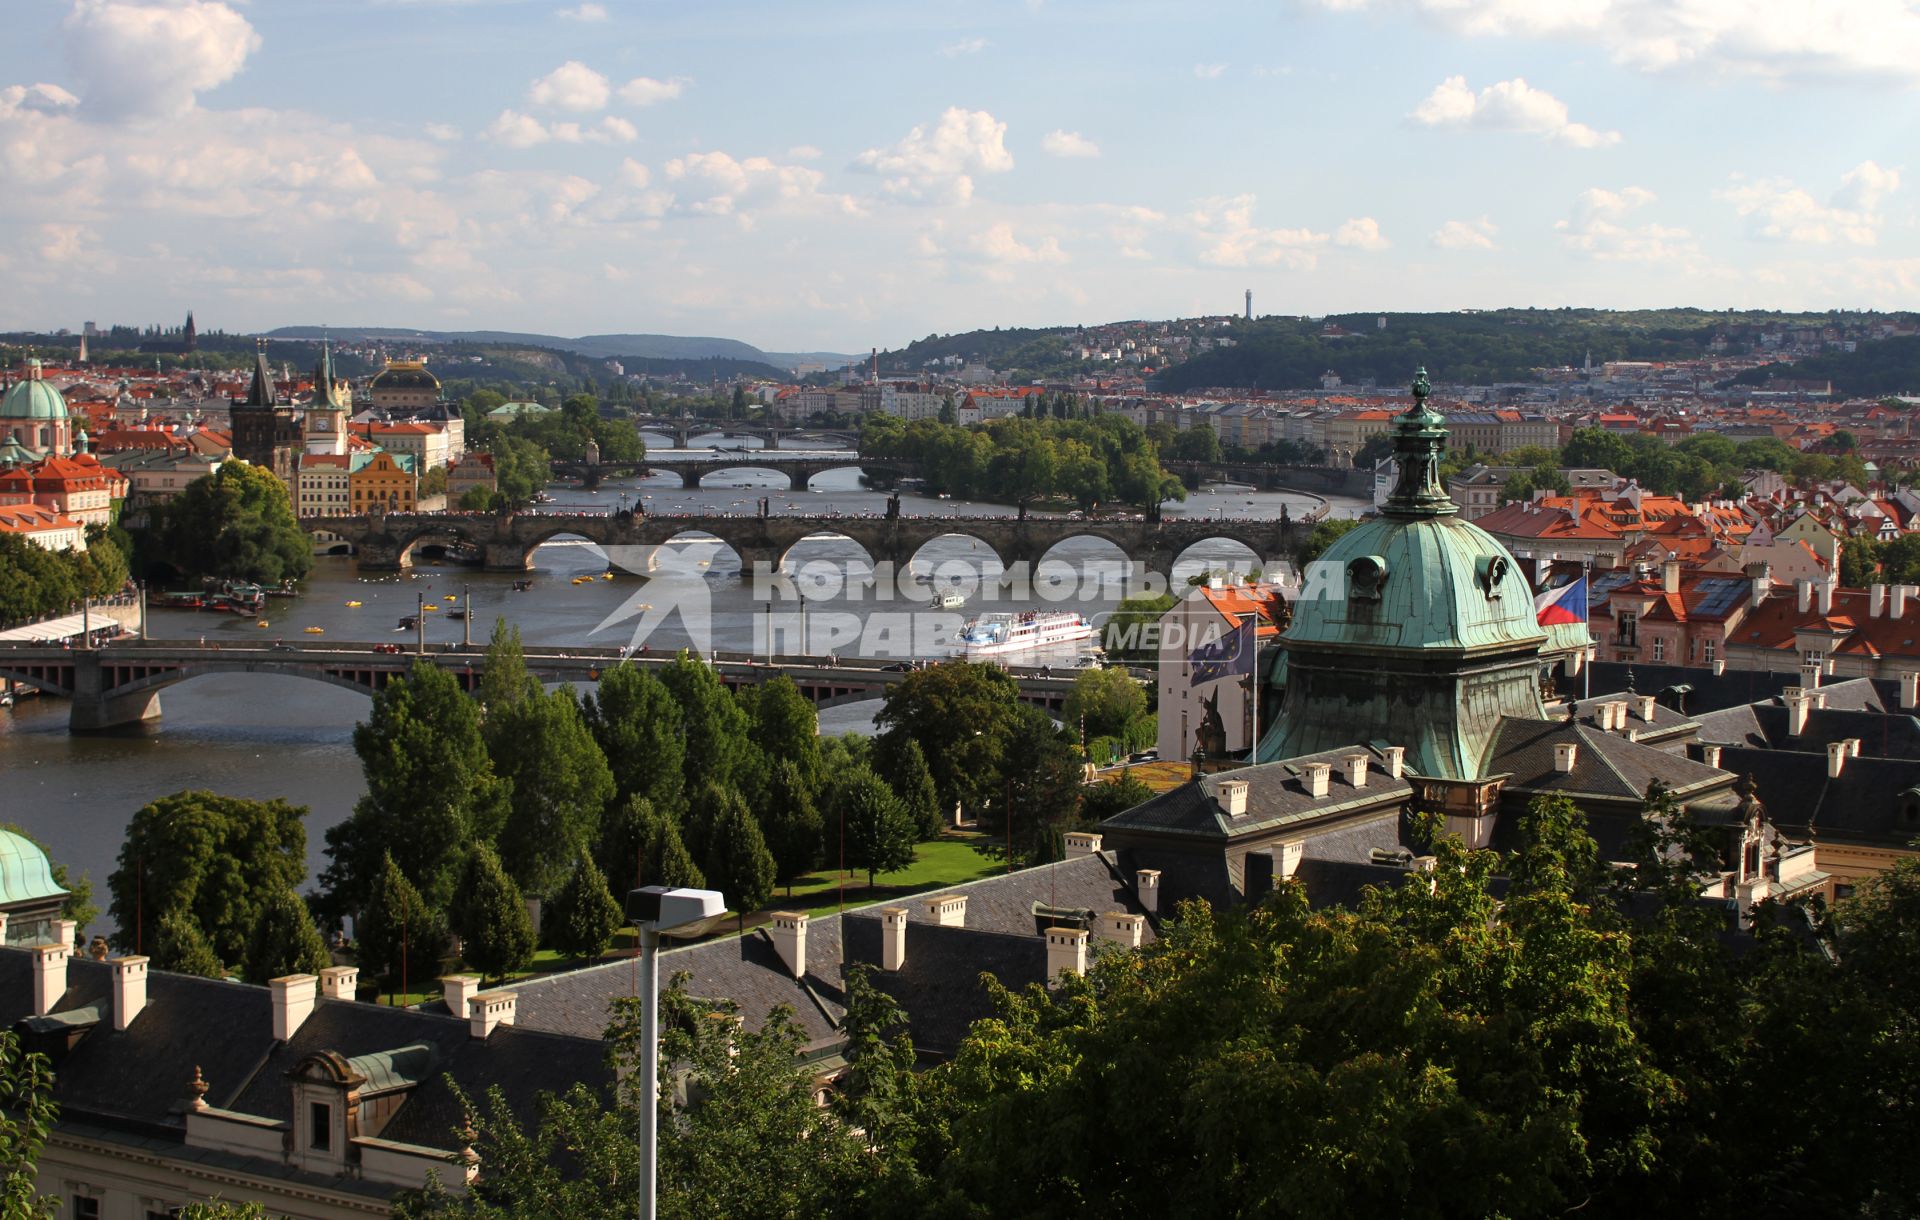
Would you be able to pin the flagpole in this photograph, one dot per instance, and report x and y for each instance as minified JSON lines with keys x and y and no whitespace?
{"x":1586,"y":673}
{"x":1253,"y":689}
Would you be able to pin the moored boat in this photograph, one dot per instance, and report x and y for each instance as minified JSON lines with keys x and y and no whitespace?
{"x":1004,"y":632}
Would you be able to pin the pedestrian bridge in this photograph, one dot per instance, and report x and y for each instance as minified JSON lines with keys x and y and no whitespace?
{"x":799,"y":471}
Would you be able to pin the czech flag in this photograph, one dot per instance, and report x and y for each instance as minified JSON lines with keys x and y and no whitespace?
{"x":1567,"y":604}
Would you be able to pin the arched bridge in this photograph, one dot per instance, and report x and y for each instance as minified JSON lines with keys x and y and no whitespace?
{"x":683,"y":430}
{"x":799,"y":470}
{"x":385,"y":542}
{"x":120,"y":684}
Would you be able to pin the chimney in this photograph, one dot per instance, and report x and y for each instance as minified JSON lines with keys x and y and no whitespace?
{"x":1909,"y":700}
{"x":1719,"y":666}
{"x":1809,"y":676}
{"x":3,"y":927}
{"x":66,"y":932}
{"x":1286,"y":857}
{"x":340,"y":982}
{"x":1647,"y":704}
{"x":129,"y":989}
{"x":1836,"y":758}
{"x":1876,"y":599}
{"x":1121,"y":928}
{"x":1670,"y":576}
{"x":1799,"y":703}
{"x":458,"y":989}
{"x":1356,"y":769}
{"x":1565,"y":754}
{"x":488,"y":1010}
{"x":1823,"y":596}
{"x":789,"y":933}
{"x":292,"y":1003}
{"x":1146,"y":883}
{"x":948,"y":911}
{"x":1066,"y":953}
{"x":1710,"y":755}
{"x":1853,"y":747}
{"x":1761,"y":575}
{"x":1803,"y":595}
{"x":1081,"y":843}
{"x":1232,"y":795}
{"x":1315,"y":777}
{"x":1898,"y":605}
{"x":49,"y":976}
{"x":1393,"y":759}
{"x":893,"y":937}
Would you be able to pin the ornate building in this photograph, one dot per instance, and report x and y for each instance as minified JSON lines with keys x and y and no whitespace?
{"x":34,"y":417}
{"x":326,"y":416}
{"x":266,"y":432}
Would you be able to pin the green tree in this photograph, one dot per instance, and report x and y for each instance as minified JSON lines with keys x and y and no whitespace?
{"x":718,"y":747}
{"x":666,"y":860}
{"x":490,"y":916}
{"x":1102,"y":701}
{"x":180,"y":947}
{"x":960,"y":715}
{"x":1199,"y":443}
{"x":559,"y":786}
{"x":1117,"y":795}
{"x":1324,"y":535}
{"x":784,"y":725}
{"x":880,"y":833}
{"x":27,"y":1115}
{"x":1596,"y":448}
{"x":640,"y":730}
{"x":1039,"y":785}
{"x":400,"y":937}
{"x":285,"y":941}
{"x":216,"y":860}
{"x":738,"y":863}
{"x":582,"y":918}
{"x":236,"y":523}
{"x":903,"y":764}
{"x":430,"y":789}
{"x":504,"y":679}
{"x":791,"y":823}
{"x":34,"y":582}
{"x":1127,"y":636}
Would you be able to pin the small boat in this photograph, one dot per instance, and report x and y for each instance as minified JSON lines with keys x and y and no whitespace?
{"x":952,"y":599}
{"x":606,"y":576}
{"x":456,"y":615}
{"x":451,"y":597}
{"x":316,"y":631}
{"x":408,"y":623}
{"x":521,"y":586}
{"x":429,"y":606}
{"x":263,"y":623}
{"x":353,"y":605}
{"x":581,"y":580}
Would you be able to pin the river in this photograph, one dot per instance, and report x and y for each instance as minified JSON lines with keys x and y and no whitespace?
{"x":271,"y":736}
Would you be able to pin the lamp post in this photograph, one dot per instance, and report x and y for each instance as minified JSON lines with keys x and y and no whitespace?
{"x":466,"y":621}
{"x":420,"y":624}
{"x":652,"y":910}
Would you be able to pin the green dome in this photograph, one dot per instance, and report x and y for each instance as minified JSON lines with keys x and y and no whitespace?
{"x":25,"y":874}
{"x":33,"y":398}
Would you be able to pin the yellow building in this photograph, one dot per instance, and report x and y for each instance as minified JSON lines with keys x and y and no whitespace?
{"x":386,"y":482}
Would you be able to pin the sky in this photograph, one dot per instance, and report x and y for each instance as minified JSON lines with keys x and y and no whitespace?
{"x":843,"y":174}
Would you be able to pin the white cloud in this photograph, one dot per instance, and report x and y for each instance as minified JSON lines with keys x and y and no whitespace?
{"x":634,"y":174}
{"x":516,"y":130}
{"x":1465,"y":235}
{"x":571,"y":86}
{"x":1772,"y":39}
{"x":1361,"y":233}
{"x":1209,"y":71}
{"x":46,"y":99}
{"x":938,"y":165}
{"x":718,"y":184}
{"x":442,"y":131}
{"x":804,"y":152}
{"x":1228,"y":237}
{"x":1508,"y":105}
{"x":585,"y":12}
{"x":1069,"y":144}
{"x":1598,"y":230}
{"x":1777,"y":210}
{"x":966,"y":46}
{"x":1002,"y":252}
{"x":150,"y":60}
{"x":645,"y":91}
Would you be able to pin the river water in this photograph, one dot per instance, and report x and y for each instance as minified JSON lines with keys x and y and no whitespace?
{"x":275,"y":736}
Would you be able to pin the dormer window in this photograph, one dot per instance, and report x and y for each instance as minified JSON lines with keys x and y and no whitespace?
{"x":320,"y":1126}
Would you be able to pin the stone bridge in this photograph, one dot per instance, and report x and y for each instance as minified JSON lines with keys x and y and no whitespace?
{"x":120,"y":684}
{"x":799,"y":471}
{"x":506,"y":542}
{"x":683,"y":430}
{"x":1269,"y":476}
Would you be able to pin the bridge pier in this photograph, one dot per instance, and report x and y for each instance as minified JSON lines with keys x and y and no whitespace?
{"x":95,"y":709}
{"x":590,"y":477}
{"x":507,"y":556}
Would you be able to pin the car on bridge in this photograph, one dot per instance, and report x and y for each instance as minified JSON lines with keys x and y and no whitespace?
{"x":393,"y":650}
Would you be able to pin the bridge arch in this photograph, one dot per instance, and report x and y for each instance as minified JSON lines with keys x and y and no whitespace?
{"x":821,"y":561}
{"x":1224,"y":551}
{"x":958,"y":559}
{"x":688,"y":551}
{"x":1094,"y":564}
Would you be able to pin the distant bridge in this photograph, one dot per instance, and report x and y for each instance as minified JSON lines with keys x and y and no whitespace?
{"x":798,"y":470}
{"x":684,"y":429}
{"x":120,"y":684}
{"x":385,"y":542}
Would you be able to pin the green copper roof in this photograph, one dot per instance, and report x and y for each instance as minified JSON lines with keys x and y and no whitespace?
{"x":25,"y":874}
{"x":395,"y":1069}
{"x":33,"y":398}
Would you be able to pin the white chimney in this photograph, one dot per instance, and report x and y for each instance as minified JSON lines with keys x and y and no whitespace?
{"x":1853,"y":747}
{"x":789,"y":933}
{"x":1356,"y":769}
{"x":129,"y":989}
{"x":1761,"y":577}
{"x":1898,"y":605}
{"x":49,"y":976}
{"x":1393,"y":758}
{"x":1286,"y":857}
{"x":1909,"y":700}
{"x":340,"y":982}
{"x":488,"y":1010}
{"x":1315,"y":776}
{"x":1719,"y":666}
{"x":458,"y":989}
{"x":3,"y":927}
{"x":1565,"y":754}
{"x":1799,"y":703}
{"x":1081,"y":843}
{"x":1823,"y":596}
{"x":1710,"y":755}
{"x":948,"y":911}
{"x":293,"y":996}
{"x":1066,"y":953}
{"x":1803,"y":595}
{"x":1232,"y":795}
{"x":1836,"y":758}
{"x":1670,"y":576}
{"x":1146,"y":884}
{"x":893,"y":937}
{"x":1810,"y":676}
{"x":1876,"y":599}
{"x":1121,"y":928}
{"x":1647,"y":704}
{"x":66,"y":932}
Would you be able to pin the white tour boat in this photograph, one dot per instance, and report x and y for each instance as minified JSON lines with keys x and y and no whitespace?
{"x":993,"y":634}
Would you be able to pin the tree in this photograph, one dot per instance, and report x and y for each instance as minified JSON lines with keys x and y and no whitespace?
{"x":27,"y":1115}
{"x":959,"y":712}
{"x":666,"y":859}
{"x":1117,"y":795}
{"x":1102,"y":701}
{"x":582,"y":918}
{"x":78,"y":905}
{"x":504,"y":679}
{"x":1039,"y":785}
{"x":791,"y":823}
{"x":180,"y":947}
{"x":1127,"y":636}
{"x":642,"y":734}
{"x":717,"y":744}
{"x":1324,"y":535}
{"x":285,"y":941}
{"x":1199,"y":443}
{"x":784,"y":725}
{"x":430,"y":789}
{"x":738,"y":863}
{"x":559,"y":786}
{"x":1597,"y":449}
{"x":903,"y":764}
{"x":400,"y":937}
{"x":215,"y":860}
{"x":236,"y":523}
{"x":35,"y":582}
{"x":880,"y":833}
{"x":490,"y":916}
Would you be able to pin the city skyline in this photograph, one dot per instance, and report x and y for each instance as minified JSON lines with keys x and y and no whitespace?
{"x":863,"y":174}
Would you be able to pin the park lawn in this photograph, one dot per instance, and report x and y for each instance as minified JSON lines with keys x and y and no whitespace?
{"x":952,"y":859}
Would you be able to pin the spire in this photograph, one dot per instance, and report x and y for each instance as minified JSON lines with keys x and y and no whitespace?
{"x":260,"y":393}
{"x":1419,"y":438}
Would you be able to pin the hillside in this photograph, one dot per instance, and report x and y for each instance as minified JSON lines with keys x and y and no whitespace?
{"x":600,"y":347}
{"x":1875,"y":370}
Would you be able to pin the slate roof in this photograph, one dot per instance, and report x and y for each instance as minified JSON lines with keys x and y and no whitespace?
{"x":1606,"y":766}
{"x":1766,"y":726}
{"x":1276,"y":797}
{"x":1666,"y":724}
{"x":1873,"y":800}
{"x":939,"y":983}
{"x":1709,"y":693}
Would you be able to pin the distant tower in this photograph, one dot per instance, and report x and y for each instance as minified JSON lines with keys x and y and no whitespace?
{"x":191,"y":335}
{"x":83,"y":343}
{"x":325,"y":425}
{"x":1249,"y":304}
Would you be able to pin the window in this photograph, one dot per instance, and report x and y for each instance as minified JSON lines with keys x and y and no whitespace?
{"x":86,"y":1207}
{"x":1706,"y":651}
{"x":319,"y":1126}
{"x":1812,"y":656}
{"x":1659,"y":650}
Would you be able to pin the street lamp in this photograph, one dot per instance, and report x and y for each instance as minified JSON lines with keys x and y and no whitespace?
{"x":652,"y":910}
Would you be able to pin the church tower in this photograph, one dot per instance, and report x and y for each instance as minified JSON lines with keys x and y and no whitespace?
{"x":326,"y":422}
{"x":265,"y":432}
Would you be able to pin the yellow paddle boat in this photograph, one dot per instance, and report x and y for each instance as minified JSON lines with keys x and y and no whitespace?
{"x":262,"y":623}
{"x":451,"y":597}
{"x":429,"y":606}
{"x":353,"y":605}
{"x":316,"y":631}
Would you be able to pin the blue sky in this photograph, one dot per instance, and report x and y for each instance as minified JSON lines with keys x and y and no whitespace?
{"x":843,"y":175}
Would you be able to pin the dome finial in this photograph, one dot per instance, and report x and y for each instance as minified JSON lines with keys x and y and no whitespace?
{"x":1422,"y":388}
{"x":1420,"y":437}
